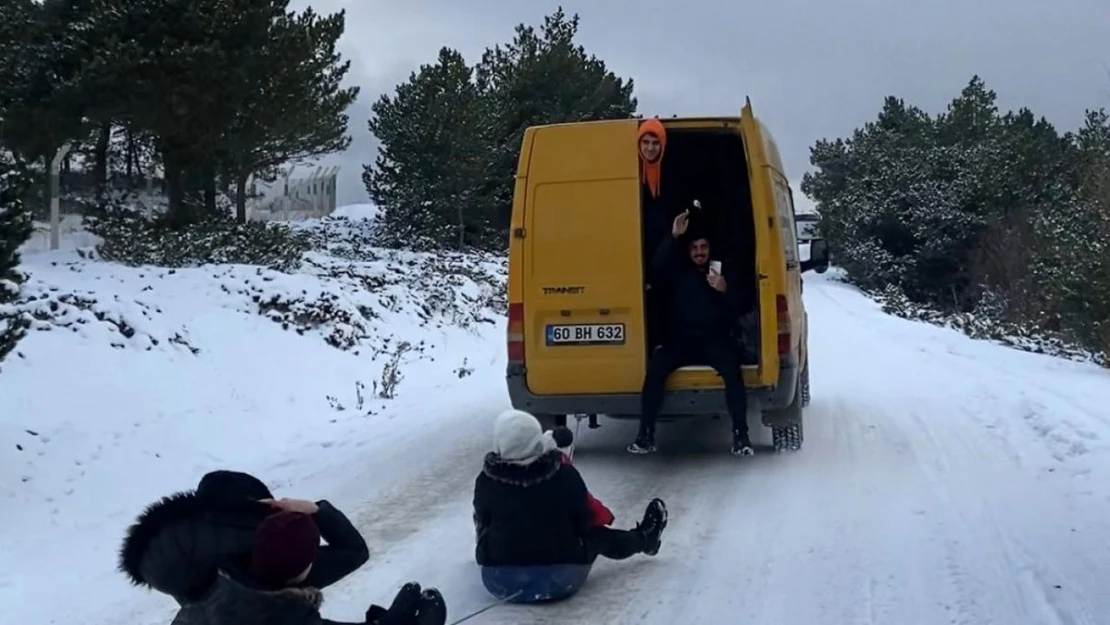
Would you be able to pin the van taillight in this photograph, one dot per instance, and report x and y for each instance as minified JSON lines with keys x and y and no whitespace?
{"x":516,"y":333}
{"x":783,"y":311}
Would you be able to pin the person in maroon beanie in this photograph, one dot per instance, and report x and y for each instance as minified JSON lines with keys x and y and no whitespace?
{"x":285,"y":548}
{"x":199,"y":547}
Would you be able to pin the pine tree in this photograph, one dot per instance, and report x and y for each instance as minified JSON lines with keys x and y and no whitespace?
{"x":875,"y":196}
{"x":541,"y":77}
{"x":1085,"y":229}
{"x":15,"y":228}
{"x":975,"y":210}
{"x":288,"y":104}
{"x":43,"y":103}
{"x":431,"y":160}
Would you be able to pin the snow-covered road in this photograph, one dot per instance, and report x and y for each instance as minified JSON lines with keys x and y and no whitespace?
{"x":943,"y":481}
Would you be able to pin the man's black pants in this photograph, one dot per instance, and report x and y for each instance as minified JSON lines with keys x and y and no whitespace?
{"x":673,"y":355}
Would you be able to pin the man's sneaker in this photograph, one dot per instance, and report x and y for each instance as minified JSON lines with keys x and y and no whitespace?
{"x":433,"y":609}
{"x":644,"y":444}
{"x":741,"y":444}
{"x":652,"y":526}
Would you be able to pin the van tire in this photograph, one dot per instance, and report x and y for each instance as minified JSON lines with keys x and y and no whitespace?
{"x":789,"y":438}
{"x":803,"y":382}
{"x":791,"y":435}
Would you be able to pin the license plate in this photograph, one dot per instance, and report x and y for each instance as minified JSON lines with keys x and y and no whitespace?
{"x":586,"y":334}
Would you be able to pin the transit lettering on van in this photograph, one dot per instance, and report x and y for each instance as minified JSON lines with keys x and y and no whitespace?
{"x":578,"y":194}
{"x":564,"y":290}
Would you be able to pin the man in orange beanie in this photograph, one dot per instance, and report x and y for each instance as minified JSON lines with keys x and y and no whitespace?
{"x":652,"y":142}
{"x":657,"y":212}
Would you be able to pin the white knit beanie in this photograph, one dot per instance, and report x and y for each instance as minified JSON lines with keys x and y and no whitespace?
{"x":519,"y":438}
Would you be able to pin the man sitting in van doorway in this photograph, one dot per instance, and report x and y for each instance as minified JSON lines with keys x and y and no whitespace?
{"x":700,"y":313}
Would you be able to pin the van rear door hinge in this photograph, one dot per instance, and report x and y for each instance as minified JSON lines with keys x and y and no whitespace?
{"x":519,"y":233}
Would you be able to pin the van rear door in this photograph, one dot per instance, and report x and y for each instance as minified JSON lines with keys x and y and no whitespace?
{"x":768,"y":252}
{"x":583,"y":290}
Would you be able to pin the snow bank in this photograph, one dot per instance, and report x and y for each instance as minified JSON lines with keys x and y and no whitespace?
{"x":136,"y":381}
{"x":363,"y":212}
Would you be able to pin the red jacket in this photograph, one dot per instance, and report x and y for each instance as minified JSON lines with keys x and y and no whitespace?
{"x":603,"y":516}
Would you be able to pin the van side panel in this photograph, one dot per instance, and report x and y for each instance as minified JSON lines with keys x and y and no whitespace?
{"x":582,"y":257}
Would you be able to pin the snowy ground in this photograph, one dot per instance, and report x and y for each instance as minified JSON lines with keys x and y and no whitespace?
{"x":944,"y":480}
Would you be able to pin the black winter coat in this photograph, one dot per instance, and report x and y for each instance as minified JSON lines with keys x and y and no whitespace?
{"x":530,"y":515}
{"x":179,"y":545}
{"x":230,"y":602}
{"x":658,"y":219}
{"x":694,"y":311}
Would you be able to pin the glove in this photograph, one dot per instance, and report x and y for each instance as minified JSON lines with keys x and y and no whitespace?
{"x":562,"y":436}
{"x":401,"y":612}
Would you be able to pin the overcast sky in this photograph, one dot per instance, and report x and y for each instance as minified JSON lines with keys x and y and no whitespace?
{"x":813,"y":68}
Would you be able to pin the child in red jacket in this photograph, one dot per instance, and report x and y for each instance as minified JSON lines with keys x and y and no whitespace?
{"x":564,"y":438}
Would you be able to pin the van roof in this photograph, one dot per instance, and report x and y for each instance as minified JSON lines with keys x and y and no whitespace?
{"x":665,"y":120}
{"x":770,"y":146}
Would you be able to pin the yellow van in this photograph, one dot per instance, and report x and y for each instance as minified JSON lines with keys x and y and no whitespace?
{"x":577,"y":325}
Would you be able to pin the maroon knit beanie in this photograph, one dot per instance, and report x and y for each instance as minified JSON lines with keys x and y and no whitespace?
{"x":285,"y":544}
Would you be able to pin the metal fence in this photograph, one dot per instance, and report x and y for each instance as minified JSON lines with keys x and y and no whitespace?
{"x":311,"y":197}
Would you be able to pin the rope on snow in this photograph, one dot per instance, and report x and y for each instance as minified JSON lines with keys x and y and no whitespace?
{"x":488,"y":607}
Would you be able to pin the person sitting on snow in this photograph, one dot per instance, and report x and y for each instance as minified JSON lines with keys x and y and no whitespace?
{"x":531,"y":508}
{"x":603,"y":516}
{"x":182,"y":544}
{"x":284,"y":552}
{"x":345,"y":551}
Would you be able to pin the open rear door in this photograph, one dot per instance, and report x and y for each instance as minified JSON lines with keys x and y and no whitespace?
{"x":583,"y":275}
{"x":762,"y":210}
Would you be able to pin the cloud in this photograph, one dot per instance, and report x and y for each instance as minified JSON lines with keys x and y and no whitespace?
{"x":812,"y":68}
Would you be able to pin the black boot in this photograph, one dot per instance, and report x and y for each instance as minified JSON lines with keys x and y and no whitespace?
{"x":401,"y":612}
{"x":652,"y":526}
{"x":741,"y":444}
{"x":645,"y":441}
{"x":433,"y":609}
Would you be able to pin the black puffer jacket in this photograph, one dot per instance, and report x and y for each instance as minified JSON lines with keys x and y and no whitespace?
{"x":694,"y":310}
{"x":179,"y":544}
{"x":230,"y":602}
{"x":533,"y":514}
{"x":658,"y":217}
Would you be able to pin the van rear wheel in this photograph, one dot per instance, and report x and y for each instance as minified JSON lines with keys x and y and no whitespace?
{"x":787,"y":438}
{"x":803,"y":382}
{"x":787,"y":433}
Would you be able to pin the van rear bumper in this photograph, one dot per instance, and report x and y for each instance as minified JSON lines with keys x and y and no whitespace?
{"x":627,"y":405}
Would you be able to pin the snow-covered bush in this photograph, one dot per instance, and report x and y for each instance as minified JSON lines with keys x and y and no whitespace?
{"x":979,"y":325}
{"x":131,"y":238}
{"x":342,"y":237}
